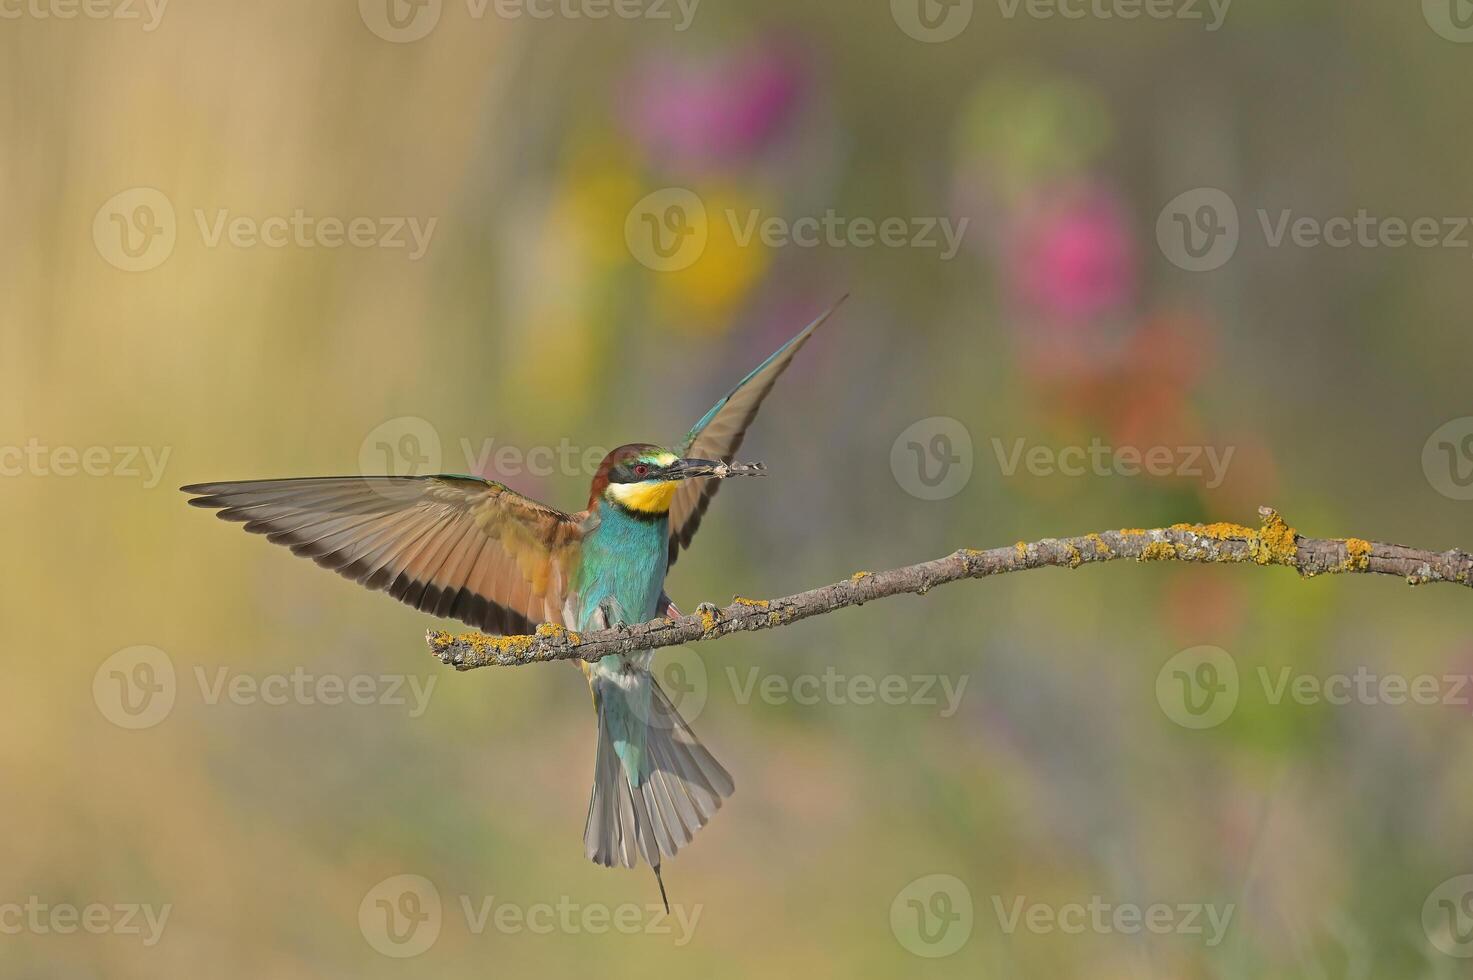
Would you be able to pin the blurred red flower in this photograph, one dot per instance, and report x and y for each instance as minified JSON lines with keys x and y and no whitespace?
{"x":1071,"y":257}
{"x":696,"y":113}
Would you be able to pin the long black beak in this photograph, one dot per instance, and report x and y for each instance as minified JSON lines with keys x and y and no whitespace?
{"x":685,"y":469}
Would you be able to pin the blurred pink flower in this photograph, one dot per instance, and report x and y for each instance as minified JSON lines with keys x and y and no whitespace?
{"x":699,"y":112}
{"x":1072,"y":259}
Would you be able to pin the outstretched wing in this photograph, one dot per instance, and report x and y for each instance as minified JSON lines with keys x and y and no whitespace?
{"x":718,"y":435}
{"x":451,"y":546}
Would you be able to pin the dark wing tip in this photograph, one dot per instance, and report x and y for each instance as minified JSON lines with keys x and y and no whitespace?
{"x":204,"y":495}
{"x":211,"y":496}
{"x":205,"y":491}
{"x":833,"y":307}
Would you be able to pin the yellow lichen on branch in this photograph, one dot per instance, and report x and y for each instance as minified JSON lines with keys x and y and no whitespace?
{"x":1158,"y":551}
{"x":1221,"y":531}
{"x":1272,"y":543}
{"x":1278,"y":543}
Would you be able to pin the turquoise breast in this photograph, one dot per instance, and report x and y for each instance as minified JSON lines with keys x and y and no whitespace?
{"x":624,"y":560}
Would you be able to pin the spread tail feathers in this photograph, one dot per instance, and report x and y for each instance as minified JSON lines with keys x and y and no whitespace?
{"x":654,"y":783}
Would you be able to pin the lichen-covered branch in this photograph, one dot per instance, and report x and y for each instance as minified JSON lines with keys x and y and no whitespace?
{"x":1272,"y":543}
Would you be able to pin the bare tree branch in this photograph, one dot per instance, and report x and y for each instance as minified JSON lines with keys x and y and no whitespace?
{"x":1272,"y":543}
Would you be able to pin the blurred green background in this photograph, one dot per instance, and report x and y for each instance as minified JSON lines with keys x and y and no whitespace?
{"x":143,"y":152}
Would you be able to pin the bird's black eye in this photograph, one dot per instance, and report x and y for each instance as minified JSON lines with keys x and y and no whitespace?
{"x":641,"y":470}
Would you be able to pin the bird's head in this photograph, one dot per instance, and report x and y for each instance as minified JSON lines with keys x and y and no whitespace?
{"x":643,"y":478}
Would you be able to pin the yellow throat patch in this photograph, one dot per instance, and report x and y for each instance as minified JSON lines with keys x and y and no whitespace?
{"x":645,"y":498}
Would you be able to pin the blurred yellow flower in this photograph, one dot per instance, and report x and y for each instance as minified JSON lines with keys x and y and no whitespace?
{"x":702,"y":297}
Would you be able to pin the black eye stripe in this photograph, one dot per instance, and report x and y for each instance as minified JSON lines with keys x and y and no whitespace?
{"x":630,"y":472}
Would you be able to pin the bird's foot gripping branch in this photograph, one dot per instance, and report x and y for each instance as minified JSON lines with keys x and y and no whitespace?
{"x":1273,"y":542}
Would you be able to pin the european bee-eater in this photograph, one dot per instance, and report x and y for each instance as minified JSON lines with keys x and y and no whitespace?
{"x":472,"y":549}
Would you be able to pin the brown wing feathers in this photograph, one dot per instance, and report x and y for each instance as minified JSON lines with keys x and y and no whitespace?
{"x":454,"y":547}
